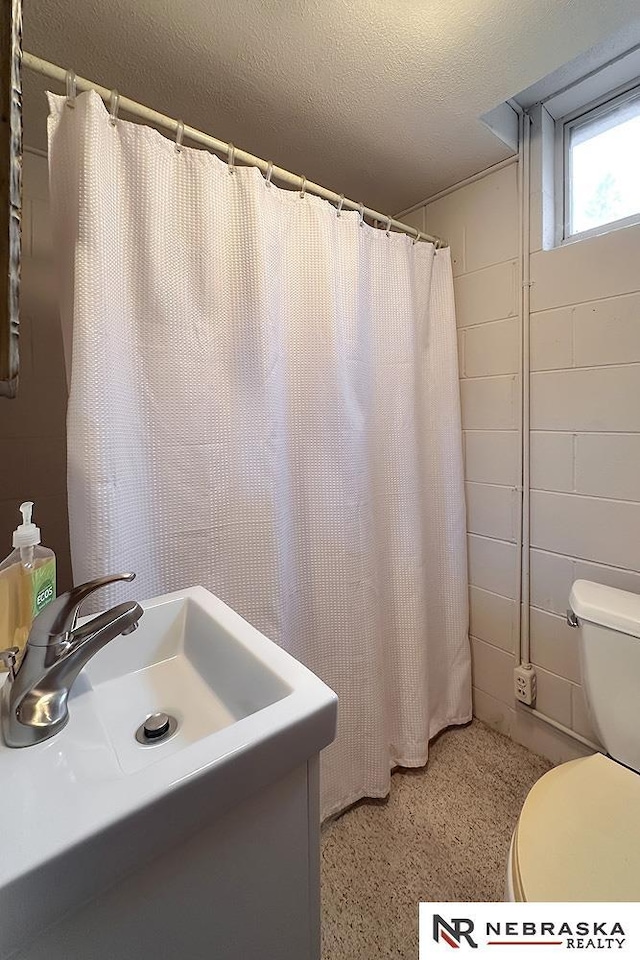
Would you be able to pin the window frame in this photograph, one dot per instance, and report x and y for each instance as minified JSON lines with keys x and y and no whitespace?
{"x":563,"y":128}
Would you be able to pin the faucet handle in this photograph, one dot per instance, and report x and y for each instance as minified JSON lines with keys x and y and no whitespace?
{"x":58,"y":618}
{"x":9,"y":657}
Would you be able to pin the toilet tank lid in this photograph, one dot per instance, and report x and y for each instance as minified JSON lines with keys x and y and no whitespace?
{"x":606,"y":606}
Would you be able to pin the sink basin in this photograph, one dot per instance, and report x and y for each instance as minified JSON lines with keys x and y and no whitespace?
{"x":92,"y":804}
{"x":180,"y":663}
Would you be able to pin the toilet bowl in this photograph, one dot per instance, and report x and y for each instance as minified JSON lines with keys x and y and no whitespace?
{"x":578,"y":834}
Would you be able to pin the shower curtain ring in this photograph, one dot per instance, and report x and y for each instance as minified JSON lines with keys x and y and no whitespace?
{"x":231,"y":157}
{"x":115,"y":103}
{"x":388,"y":227}
{"x":303,"y":187}
{"x":70,"y":81}
{"x":340,"y":202}
{"x":269,"y":174}
{"x":179,"y":135}
{"x":417,"y":237}
{"x":361,"y":212}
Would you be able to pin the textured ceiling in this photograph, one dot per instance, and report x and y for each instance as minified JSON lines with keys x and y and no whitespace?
{"x":378,"y":99}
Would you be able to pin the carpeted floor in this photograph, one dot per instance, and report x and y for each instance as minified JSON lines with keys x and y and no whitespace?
{"x":443,"y":834}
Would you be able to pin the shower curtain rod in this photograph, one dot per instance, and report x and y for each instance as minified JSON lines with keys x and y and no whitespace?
{"x":53,"y":72}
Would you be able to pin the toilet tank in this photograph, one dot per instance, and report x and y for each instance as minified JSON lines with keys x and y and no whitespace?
{"x":609,"y":629}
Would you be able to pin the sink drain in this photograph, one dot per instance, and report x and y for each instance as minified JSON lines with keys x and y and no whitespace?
{"x":156,"y":728}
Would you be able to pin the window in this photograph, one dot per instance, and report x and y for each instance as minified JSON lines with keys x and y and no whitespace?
{"x":599,"y":151}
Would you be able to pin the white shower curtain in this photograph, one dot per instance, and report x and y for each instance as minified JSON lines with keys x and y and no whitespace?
{"x":264,"y":401}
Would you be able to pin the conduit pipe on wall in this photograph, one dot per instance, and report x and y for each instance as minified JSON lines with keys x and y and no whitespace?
{"x":500,"y":165}
{"x":566,"y":730}
{"x":520,"y":474}
{"x":524,"y":652}
{"x":522,"y":646}
{"x":523,"y":642}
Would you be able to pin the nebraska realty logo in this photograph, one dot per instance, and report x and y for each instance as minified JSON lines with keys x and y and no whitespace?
{"x":454,"y":931}
{"x":480,"y":927}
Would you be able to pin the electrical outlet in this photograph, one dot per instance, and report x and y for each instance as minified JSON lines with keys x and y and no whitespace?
{"x":525,"y":684}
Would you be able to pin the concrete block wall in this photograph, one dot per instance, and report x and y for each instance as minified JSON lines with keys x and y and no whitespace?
{"x":33,"y":426}
{"x":585,"y":440}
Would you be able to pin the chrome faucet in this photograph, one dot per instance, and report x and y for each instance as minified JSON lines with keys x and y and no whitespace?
{"x":34,"y":697}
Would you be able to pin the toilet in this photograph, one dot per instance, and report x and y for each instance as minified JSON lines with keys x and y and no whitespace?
{"x":578,"y":835}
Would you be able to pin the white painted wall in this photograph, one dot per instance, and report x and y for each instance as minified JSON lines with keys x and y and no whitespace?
{"x":585,"y":440}
{"x":33,"y":426}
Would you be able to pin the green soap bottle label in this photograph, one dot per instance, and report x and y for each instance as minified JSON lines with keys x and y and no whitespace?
{"x":43,"y":583}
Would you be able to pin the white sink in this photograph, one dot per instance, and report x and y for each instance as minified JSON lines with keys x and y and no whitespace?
{"x":186,"y":662}
{"x":91,"y":805}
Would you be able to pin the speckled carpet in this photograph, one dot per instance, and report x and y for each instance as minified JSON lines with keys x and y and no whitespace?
{"x":442,"y":834}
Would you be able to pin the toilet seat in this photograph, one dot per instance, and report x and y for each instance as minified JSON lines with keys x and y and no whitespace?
{"x":578,"y":835}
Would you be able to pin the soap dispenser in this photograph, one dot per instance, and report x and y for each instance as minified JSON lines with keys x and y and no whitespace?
{"x":27,"y":582}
